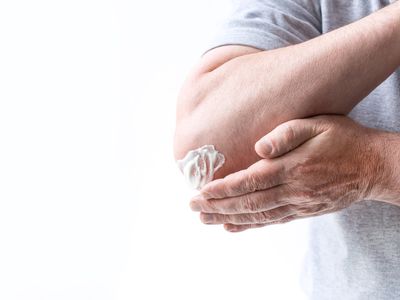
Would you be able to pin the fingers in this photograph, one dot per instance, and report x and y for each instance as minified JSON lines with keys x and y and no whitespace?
{"x":287,"y":137}
{"x":239,"y":228}
{"x":258,"y":201}
{"x":252,"y":218}
{"x":262,"y":175}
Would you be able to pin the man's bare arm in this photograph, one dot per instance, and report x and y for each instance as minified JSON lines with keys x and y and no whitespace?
{"x":234,"y":98}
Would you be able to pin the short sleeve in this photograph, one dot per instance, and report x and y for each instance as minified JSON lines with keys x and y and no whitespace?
{"x":269,"y":24}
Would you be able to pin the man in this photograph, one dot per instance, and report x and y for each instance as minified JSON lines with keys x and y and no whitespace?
{"x":271,"y":94}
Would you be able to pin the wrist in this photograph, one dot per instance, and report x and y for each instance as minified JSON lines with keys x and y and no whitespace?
{"x":385,"y":160}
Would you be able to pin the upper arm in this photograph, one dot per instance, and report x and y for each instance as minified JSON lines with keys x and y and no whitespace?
{"x":257,"y":25}
{"x":195,"y":85}
{"x":269,"y":24}
{"x":254,"y":26}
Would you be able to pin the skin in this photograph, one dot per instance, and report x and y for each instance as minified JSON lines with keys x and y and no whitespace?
{"x":310,"y":167}
{"x":237,"y":96}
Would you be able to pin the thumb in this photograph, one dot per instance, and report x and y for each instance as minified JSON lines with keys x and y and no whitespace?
{"x":287,"y":137}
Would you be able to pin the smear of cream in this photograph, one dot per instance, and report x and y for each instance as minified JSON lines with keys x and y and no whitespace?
{"x":199,"y":166}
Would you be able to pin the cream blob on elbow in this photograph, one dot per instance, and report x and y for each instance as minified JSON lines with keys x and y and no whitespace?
{"x":200,"y":165}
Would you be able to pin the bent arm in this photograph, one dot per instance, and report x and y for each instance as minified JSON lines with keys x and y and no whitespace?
{"x":235,"y":98}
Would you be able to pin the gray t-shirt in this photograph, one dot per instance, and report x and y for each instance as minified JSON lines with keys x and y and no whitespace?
{"x":354,"y":253}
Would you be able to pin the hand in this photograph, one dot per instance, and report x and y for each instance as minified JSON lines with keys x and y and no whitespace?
{"x":310,"y":167}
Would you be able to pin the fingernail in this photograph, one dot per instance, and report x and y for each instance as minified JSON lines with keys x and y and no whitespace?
{"x":195,"y":206}
{"x":228,"y":227}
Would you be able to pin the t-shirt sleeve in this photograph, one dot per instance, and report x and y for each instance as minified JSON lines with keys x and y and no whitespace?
{"x":269,"y":24}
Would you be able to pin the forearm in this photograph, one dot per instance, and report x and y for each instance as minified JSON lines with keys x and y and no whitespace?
{"x":243,"y":99}
{"x":337,"y":70}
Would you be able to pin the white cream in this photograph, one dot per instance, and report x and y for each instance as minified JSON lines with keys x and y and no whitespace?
{"x":199,"y":166}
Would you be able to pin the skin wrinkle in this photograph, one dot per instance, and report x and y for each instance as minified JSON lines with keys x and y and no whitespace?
{"x":324,"y":182}
{"x":347,"y":180}
{"x":241,"y":219}
{"x":251,"y":94}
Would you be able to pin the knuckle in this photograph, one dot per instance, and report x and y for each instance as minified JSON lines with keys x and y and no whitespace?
{"x":240,"y":219}
{"x":252,"y":183}
{"x":274,"y":146}
{"x":250,"y":219}
{"x":221,"y":219}
{"x":237,"y":185}
{"x":290,"y":209}
{"x":307,"y":195}
{"x":320,"y":208}
{"x":305,"y":168}
{"x":256,"y":218}
{"x":210,"y":206}
{"x":236,"y":189}
{"x":265,"y":216}
{"x":282,"y":221}
{"x":249,"y":204}
{"x":289,"y":133}
{"x":286,"y":220}
{"x":275,"y":174}
{"x":313,"y":209}
{"x":207,"y":218}
{"x":278,"y":214}
{"x":303,"y":211}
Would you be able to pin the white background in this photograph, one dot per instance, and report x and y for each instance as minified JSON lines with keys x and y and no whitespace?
{"x":92,"y":205}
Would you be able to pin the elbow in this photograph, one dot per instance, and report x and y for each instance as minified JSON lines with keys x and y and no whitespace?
{"x":211,"y":164}
{"x":193,"y":131}
{"x":198,"y":128}
{"x":189,"y":133}
{"x":186,"y":138}
{"x":204,"y":117}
